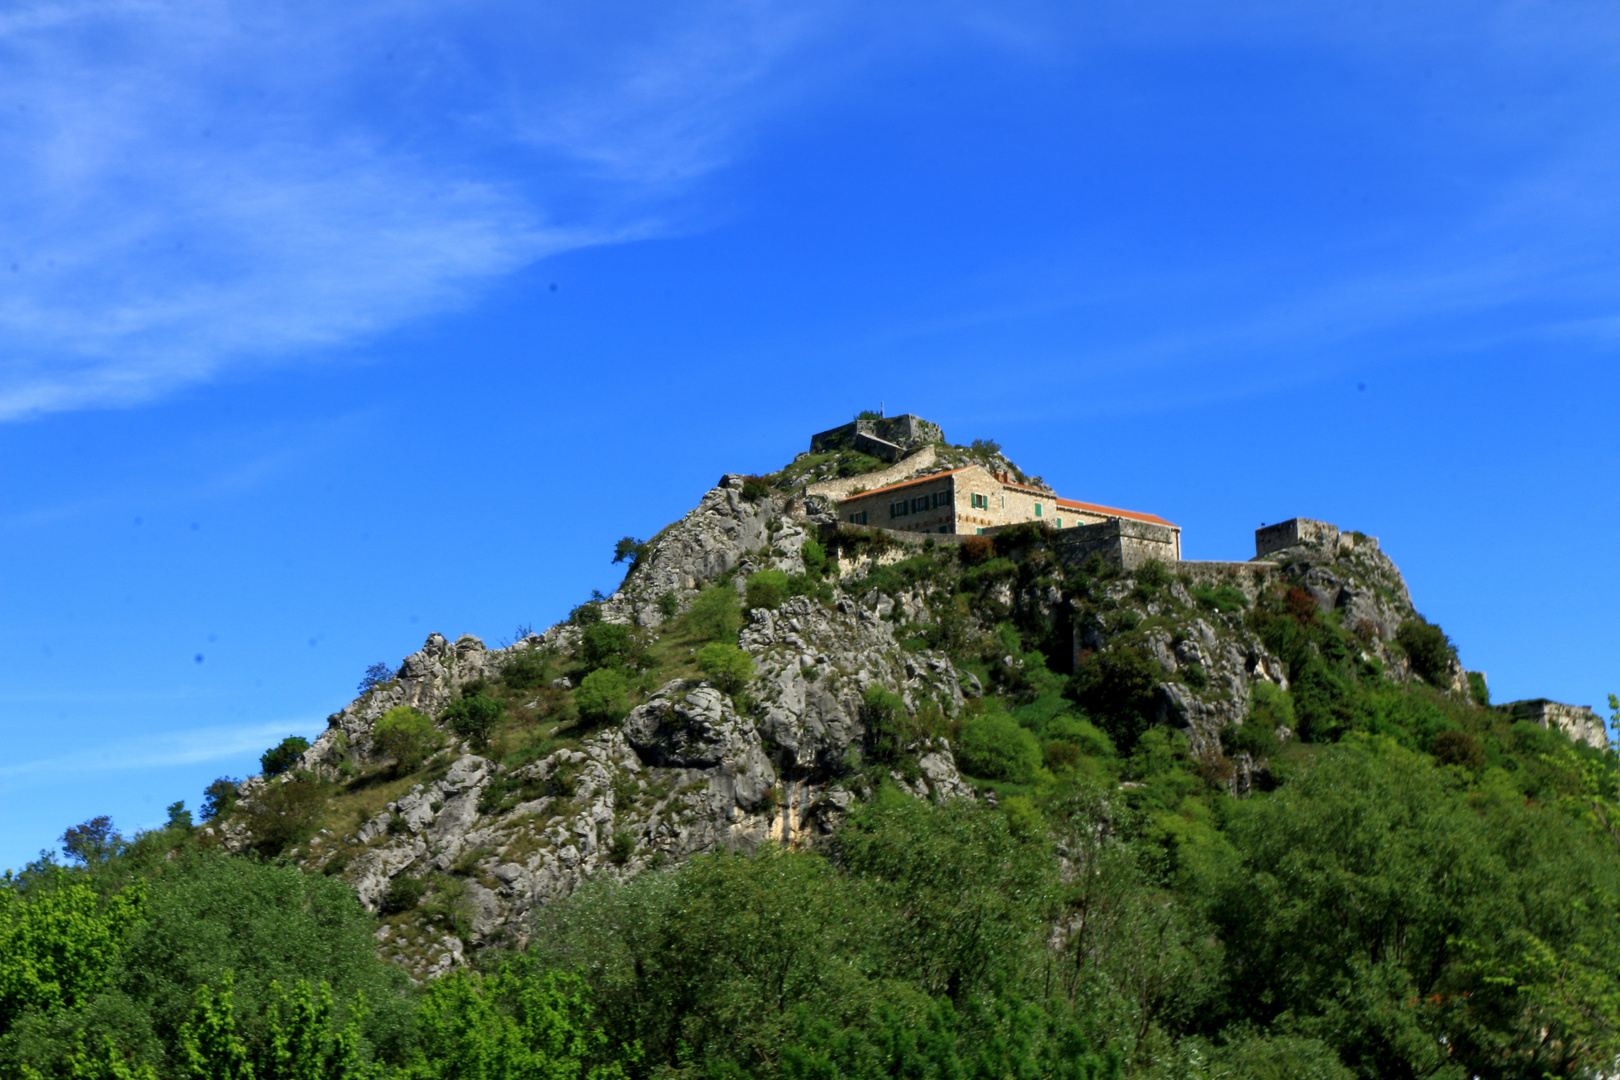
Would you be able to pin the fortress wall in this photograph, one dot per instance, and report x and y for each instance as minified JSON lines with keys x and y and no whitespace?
{"x":1123,"y":542}
{"x":915,"y":465}
{"x":1578,"y":722}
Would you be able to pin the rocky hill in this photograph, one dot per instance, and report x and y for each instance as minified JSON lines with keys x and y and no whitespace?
{"x":762,"y":667}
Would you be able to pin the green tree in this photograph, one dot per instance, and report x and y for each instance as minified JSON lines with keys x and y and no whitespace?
{"x":960,"y":930}
{"x":473,"y":716}
{"x":814,"y":556}
{"x":405,"y":735}
{"x":992,"y":745}
{"x":59,"y":942}
{"x":516,"y":1024}
{"x":714,"y":614}
{"x":284,"y":755}
{"x":630,"y":550}
{"x":602,"y":696}
{"x":606,"y":644}
{"x":729,"y":666}
{"x":1119,"y":688}
{"x":1429,"y":649}
{"x":767,"y":589}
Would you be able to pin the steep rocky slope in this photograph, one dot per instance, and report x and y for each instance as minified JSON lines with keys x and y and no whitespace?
{"x":459,"y":853}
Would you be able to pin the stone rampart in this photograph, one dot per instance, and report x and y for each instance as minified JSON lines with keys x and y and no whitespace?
{"x":1122,"y":541}
{"x":1310,"y":533}
{"x":915,"y":465}
{"x":1578,"y":722}
{"x":878,"y":436}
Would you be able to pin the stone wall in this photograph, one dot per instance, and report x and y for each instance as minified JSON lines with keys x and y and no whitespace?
{"x":906,"y":432}
{"x":837,"y":490}
{"x":1123,"y":542}
{"x":1578,"y":722}
{"x":1309,"y":532}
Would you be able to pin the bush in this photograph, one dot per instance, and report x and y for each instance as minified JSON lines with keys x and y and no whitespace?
{"x":1082,"y":733}
{"x":219,"y":797}
{"x":1429,"y":649}
{"x":1153,"y":574}
{"x":376,"y":675}
{"x":587,"y":613}
{"x":729,"y":666}
{"x":975,"y":550}
{"x":755,"y":488}
{"x":669,"y":604}
{"x":993,"y":746}
{"x":278,"y":759}
{"x":405,"y":735}
{"x":814,"y":556}
{"x":601,"y":696}
{"x":403,"y":894}
{"x":1270,"y":708}
{"x":1222,"y":598}
{"x":887,"y":729}
{"x":623,"y":846}
{"x":767,"y":589}
{"x":1458,"y":748}
{"x":284,"y":814}
{"x":714,"y":613}
{"x":472,"y":716}
{"x":1478,"y":690}
{"x":1120,"y":689}
{"x":985,"y":447}
{"x":606,"y":644}
{"x":524,"y":670}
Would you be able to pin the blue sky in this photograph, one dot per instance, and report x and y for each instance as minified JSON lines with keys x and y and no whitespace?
{"x":315,"y":320}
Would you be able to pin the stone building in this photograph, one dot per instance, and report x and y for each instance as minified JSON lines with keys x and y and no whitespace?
{"x":1578,"y":722}
{"x":972,"y":500}
{"x":889,"y":437}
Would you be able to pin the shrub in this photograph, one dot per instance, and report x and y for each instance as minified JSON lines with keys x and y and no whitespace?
{"x":278,"y":759}
{"x":285,"y":814}
{"x":1024,"y":534}
{"x":1270,"y":708}
{"x":472,"y":716}
{"x":814,"y":556}
{"x":376,"y":675}
{"x":986,"y":447}
{"x":605,"y":644}
{"x":1478,"y":690}
{"x":669,"y":604}
{"x":755,"y":488}
{"x":1223,"y":598}
{"x":524,"y":670}
{"x":1301,"y":606}
{"x":1153,"y":574}
{"x":601,"y":696}
{"x":975,"y":550}
{"x":729,"y":666}
{"x":993,"y":746}
{"x":622,"y":847}
{"x":714,"y":613}
{"x":1429,"y":649}
{"x":1458,"y":748}
{"x":1195,"y":676}
{"x":1120,"y":689}
{"x":587,"y":613}
{"x":885,"y":716}
{"x":767,"y":589}
{"x":405,"y":735}
{"x":219,"y":797}
{"x":403,"y":894}
{"x":1080,"y":732}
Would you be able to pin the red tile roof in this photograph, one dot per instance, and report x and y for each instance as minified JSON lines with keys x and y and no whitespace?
{"x":901,"y":484}
{"x":1110,"y":511}
{"x":1091,"y":508}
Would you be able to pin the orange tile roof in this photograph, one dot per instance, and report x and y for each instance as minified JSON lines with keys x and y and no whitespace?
{"x":903,"y":483}
{"x":1111,"y":511}
{"x":1108,"y":511}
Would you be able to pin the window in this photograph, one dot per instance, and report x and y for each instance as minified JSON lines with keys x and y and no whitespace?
{"x":1058,"y":522}
{"x":919,"y":504}
{"x":981,"y":502}
{"x":1037,"y":509}
{"x":943,"y":528}
{"x":858,"y":519}
{"x":1004,"y":502}
{"x":942,"y":498}
{"x":979,"y":532}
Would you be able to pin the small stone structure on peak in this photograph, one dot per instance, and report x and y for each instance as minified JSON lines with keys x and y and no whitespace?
{"x":1308,"y":532}
{"x":889,"y":438}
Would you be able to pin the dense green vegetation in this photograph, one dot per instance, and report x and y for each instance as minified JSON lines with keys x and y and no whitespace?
{"x":1413,"y":884}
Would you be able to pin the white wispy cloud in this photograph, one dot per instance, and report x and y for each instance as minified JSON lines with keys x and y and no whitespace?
{"x":157,"y":750}
{"x":202,"y":186}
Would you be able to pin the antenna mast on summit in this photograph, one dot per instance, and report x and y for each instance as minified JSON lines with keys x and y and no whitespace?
{"x":880,"y":408}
